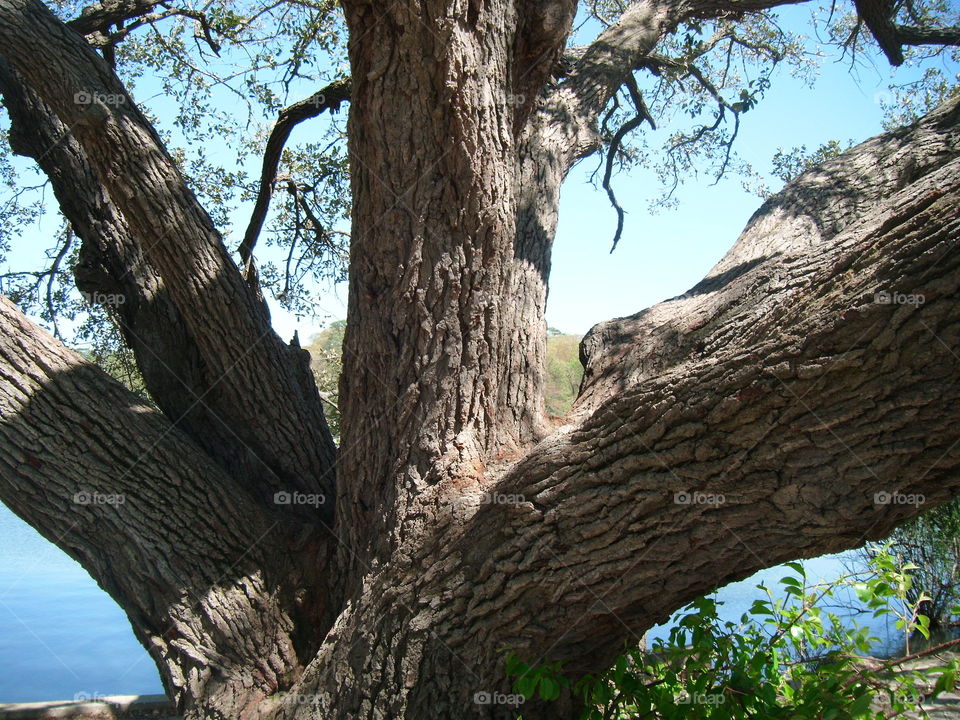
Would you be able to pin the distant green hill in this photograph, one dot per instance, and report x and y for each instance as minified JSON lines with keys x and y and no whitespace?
{"x":563,"y":370}
{"x":325,"y":361}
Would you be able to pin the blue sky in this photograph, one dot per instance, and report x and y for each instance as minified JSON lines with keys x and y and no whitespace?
{"x":663,"y":254}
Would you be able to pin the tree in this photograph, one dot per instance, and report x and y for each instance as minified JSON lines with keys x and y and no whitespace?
{"x":931,"y":542}
{"x":269,"y":574}
{"x":326,"y":361}
{"x":563,"y":373}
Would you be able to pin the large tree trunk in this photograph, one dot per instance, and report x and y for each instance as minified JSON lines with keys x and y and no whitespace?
{"x":446,"y":331}
{"x":778,"y":382}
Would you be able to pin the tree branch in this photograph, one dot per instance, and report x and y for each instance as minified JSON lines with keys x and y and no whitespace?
{"x":192,"y":559}
{"x":261,"y":383}
{"x":642,"y":114}
{"x":111,"y":264}
{"x":912,"y":35}
{"x":108,"y":40}
{"x":623,"y":47}
{"x":542,"y":29}
{"x":98,"y":18}
{"x":758,"y":405}
{"x":878,"y":16}
{"x":330,"y":98}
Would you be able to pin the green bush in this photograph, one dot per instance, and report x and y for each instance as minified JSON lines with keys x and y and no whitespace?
{"x":326,"y":361}
{"x":931,"y":542}
{"x":564,"y":372}
{"x":788,"y":657}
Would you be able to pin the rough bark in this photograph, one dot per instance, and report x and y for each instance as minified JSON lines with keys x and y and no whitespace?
{"x":258,"y":393}
{"x":466,"y":521}
{"x":208,"y":575}
{"x":807,"y":399}
{"x":112,"y":267}
{"x":444,"y":338}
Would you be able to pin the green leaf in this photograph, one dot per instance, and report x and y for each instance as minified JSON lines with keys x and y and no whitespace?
{"x":861,"y":705}
{"x":760,"y":607}
{"x":526,"y":686}
{"x":797,"y":567}
{"x":945,"y":683}
{"x":549,"y":688}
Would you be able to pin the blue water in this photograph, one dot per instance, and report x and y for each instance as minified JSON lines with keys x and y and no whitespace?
{"x":739,"y":596}
{"x":62,"y":637}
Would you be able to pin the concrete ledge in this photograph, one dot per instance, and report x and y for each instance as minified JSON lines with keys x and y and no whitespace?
{"x":157,"y":707}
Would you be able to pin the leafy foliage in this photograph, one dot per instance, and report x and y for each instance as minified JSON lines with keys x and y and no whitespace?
{"x":312,"y":203}
{"x":564,"y":372}
{"x":707,"y":76}
{"x":703,"y":79}
{"x":326,"y":361}
{"x":906,"y":102}
{"x":788,"y":164}
{"x":931,"y":544}
{"x":789,"y":657}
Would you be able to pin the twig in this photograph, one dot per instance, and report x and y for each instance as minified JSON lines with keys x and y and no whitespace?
{"x":330,"y":98}
{"x":642,"y":114}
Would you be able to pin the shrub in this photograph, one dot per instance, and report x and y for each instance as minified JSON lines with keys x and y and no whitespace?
{"x":788,"y":657}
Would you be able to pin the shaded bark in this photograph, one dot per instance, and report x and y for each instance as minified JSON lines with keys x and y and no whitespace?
{"x":259,"y":393}
{"x":112,"y":266}
{"x":207,"y":574}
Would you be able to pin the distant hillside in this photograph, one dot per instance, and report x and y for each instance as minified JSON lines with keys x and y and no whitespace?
{"x":563,"y":370}
{"x":325,"y":361}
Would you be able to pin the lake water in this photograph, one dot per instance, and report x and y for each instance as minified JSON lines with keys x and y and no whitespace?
{"x":62,"y":637}
{"x":739,"y":596}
